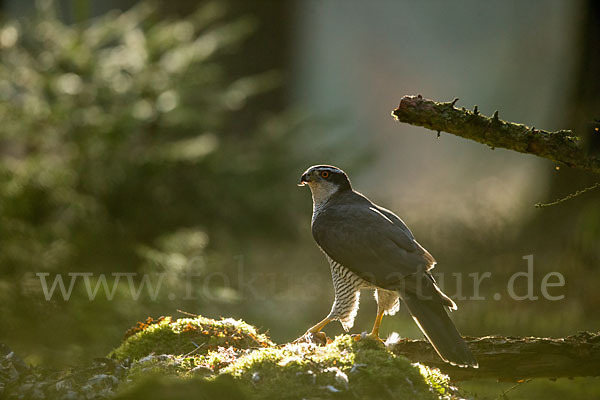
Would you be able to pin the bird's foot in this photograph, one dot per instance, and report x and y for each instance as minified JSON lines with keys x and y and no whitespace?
{"x":319,"y":338}
{"x":375,"y":336}
{"x":368,"y":336}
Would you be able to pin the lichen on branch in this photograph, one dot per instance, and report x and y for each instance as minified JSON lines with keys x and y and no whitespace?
{"x":560,"y":146}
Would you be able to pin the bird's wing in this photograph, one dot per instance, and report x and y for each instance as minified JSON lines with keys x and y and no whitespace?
{"x":400,"y":224}
{"x":377,"y":247}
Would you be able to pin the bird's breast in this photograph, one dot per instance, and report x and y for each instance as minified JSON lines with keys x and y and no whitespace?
{"x":317,"y":210}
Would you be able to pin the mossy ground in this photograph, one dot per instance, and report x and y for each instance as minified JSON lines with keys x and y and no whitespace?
{"x":234,"y":356}
{"x":344,"y":368}
{"x":187,"y":335}
{"x":161,"y":387}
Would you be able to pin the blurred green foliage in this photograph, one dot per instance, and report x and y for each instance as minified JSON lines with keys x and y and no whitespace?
{"x":122,"y":149}
{"x":129,"y":143}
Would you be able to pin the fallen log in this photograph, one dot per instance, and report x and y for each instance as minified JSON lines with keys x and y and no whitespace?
{"x":508,"y":358}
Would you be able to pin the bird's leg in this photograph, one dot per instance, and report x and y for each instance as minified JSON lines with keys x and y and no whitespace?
{"x":375,"y":331}
{"x":314,"y":334}
{"x":319,"y":326}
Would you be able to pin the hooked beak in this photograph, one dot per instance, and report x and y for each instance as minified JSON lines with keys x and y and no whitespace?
{"x":304,"y":179}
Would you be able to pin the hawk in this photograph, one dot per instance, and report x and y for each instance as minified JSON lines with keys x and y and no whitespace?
{"x":369,"y":247}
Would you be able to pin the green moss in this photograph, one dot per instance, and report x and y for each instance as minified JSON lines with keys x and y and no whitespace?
{"x":342,"y":369}
{"x":189,"y":335}
{"x":167,"y":388}
{"x":161,"y":365}
{"x":437,"y":381}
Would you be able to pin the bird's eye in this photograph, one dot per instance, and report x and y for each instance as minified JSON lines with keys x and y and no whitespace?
{"x":325,"y":174}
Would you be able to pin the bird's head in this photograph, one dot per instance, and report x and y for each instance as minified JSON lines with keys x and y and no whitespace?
{"x":324,"y":181}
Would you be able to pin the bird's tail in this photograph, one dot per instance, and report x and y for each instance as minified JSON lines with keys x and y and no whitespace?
{"x":430,"y":313}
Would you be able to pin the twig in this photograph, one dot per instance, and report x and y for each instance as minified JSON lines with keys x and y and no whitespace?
{"x":198,"y":347}
{"x":568,"y":197}
{"x":189,"y":314}
{"x":513,"y":387}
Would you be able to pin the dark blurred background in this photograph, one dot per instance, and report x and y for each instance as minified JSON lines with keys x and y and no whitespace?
{"x":165,"y":139}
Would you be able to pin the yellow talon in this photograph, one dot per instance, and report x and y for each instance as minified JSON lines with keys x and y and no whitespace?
{"x":374,"y":336}
{"x":314,"y":334}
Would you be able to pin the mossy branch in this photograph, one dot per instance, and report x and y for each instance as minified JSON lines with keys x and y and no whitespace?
{"x":516,"y":358}
{"x":560,"y":146}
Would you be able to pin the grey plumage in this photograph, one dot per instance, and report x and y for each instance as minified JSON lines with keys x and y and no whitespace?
{"x":370,"y":247}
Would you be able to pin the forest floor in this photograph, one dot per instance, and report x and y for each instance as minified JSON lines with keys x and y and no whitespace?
{"x":174,"y":358}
